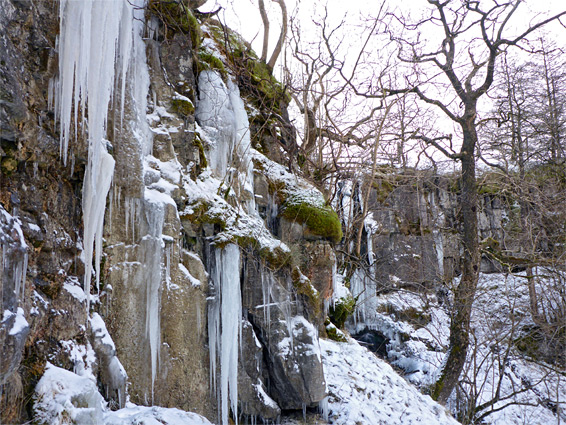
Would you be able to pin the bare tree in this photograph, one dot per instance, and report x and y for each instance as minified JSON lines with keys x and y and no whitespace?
{"x":463,"y":62}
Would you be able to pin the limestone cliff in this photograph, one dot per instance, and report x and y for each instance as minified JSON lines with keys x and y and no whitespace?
{"x":133,"y":252}
{"x":153,"y":244}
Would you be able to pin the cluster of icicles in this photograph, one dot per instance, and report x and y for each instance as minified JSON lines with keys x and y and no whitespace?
{"x":102,"y":59}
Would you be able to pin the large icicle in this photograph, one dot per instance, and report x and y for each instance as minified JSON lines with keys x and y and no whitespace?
{"x":95,"y":35}
{"x":152,"y":251}
{"x":224,"y":327}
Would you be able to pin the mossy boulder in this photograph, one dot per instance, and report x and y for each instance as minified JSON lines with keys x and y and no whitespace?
{"x":320,"y":220}
{"x":300,"y":201}
{"x":208,"y":61}
{"x":182,"y":105}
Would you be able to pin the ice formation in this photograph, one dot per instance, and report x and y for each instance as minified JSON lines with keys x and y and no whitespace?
{"x":13,"y":258}
{"x":224,"y":327}
{"x":222,"y":115}
{"x":95,"y":48}
{"x":102,"y":54}
{"x":362,"y":282}
{"x":152,"y":250}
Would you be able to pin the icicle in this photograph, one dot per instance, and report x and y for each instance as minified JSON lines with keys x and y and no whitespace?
{"x":213,"y":111}
{"x":224,"y":327}
{"x":152,"y":247}
{"x":94,"y":36}
{"x":14,"y":256}
{"x":242,"y":143}
{"x":324,"y":408}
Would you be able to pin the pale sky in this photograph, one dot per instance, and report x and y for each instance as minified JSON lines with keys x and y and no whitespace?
{"x":243,"y":16}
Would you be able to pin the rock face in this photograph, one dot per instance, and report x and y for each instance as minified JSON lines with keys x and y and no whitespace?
{"x":412,"y":226}
{"x":144,"y":331}
{"x":186,"y":185}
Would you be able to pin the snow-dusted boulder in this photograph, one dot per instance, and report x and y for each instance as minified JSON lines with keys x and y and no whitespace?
{"x":63,"y":397}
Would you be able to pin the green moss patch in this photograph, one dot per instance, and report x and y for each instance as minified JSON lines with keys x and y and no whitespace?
{"x":334,"y":333}
{"x":182,"y":106}
{"x":255,"y":79}
{"x":300,"y":201}
{"x":341,"y":310}
{"x":8,"y":165}
{"x":207,"y":61}
{"x":177,"y":17}
{"x":321,"y":220}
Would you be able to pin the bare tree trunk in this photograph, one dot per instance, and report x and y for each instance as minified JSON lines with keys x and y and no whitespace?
{"x":265,"y":21}
{"x":282,"y":35}
{"x":465,"y":292}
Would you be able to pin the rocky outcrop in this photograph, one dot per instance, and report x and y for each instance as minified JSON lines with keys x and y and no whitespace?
{"x":413,"y":221}
{"x":174,"y":201}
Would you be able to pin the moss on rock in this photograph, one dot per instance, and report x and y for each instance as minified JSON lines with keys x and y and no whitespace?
{"x":341,"y":310}
{"x":334,"y":333}
{"x":207,"y":61}
{"x":8,"y":165}
{"x":320,"y":220}
{"x":177,"y":16}
{"x":182,"y":106}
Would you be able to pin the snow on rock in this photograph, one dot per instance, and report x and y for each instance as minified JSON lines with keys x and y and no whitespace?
{"x":65,"y":397}
{"x":19,"y":324}
{"x":364,"y":389}
{"x":61,"y":394}
{"x":206,"y":204}
{"x":134,"y":415}
{"x":112,"y":373}
{"x":71,"y":285}
{"x":294,"y":189}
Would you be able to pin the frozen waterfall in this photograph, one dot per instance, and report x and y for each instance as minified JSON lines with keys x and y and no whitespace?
{"x":221,"y":113}
{"x":102,"y":56}
{"x":95,"y":48}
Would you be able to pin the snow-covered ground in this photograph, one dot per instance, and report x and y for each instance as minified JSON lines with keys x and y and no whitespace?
{"x":529,"y":390}
{"x":364,"y":389}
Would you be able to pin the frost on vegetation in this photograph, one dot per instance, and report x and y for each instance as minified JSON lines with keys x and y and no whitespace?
{"x":65,"y":397}
{"x":528,"y":389}
{"x":225,"y":328}
{"x":364,"y":389}
{"x":500,"y":316}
